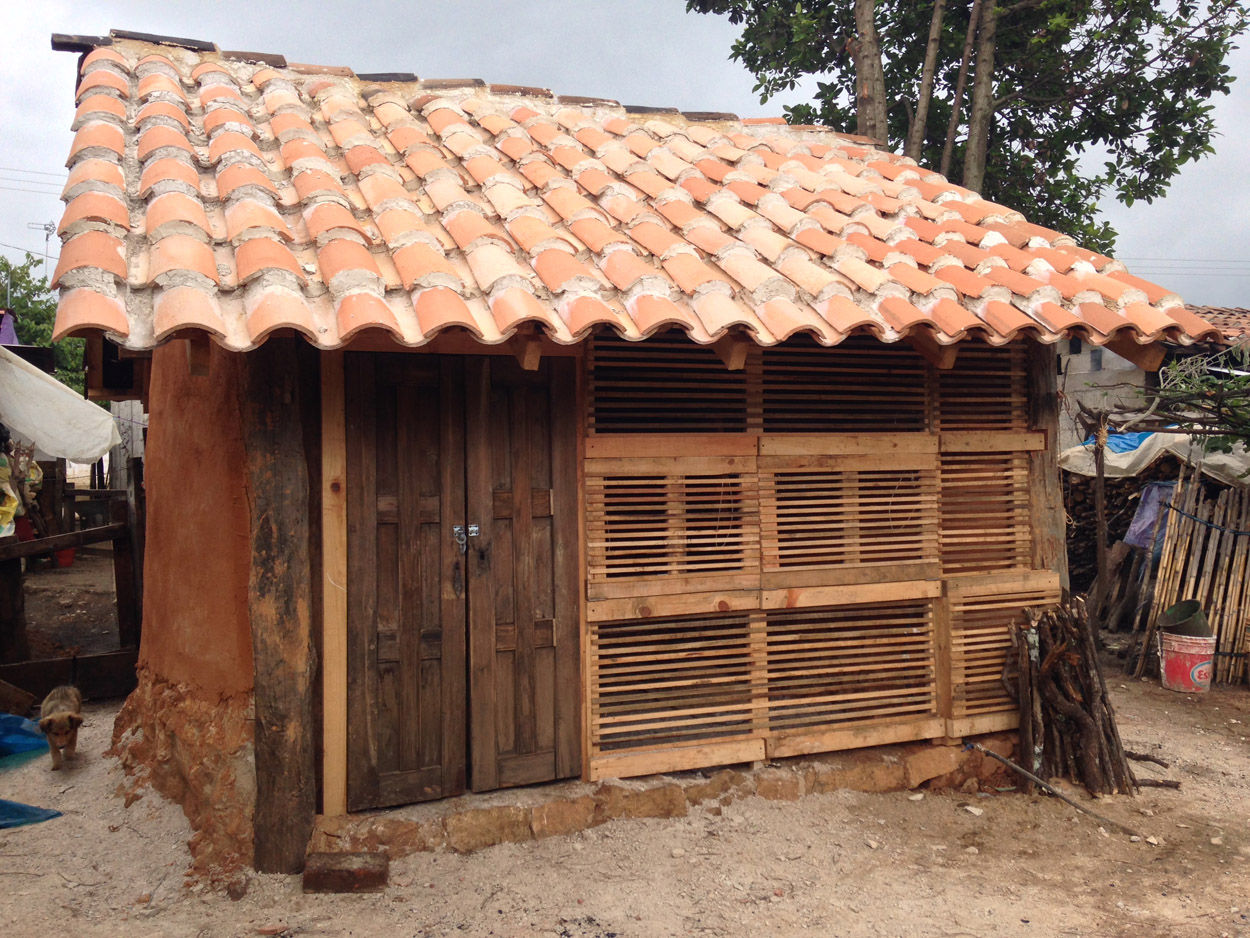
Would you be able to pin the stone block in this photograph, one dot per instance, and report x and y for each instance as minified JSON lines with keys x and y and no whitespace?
{"x":617,"y":801}
{"x":485,"y":827}
{"x":346,"y":872}
{"x":715,"y":786}
{"x":778,"y":784}
{"x":925,"y":761}
{"x":863,"y":770}
{"x":563,"y":816}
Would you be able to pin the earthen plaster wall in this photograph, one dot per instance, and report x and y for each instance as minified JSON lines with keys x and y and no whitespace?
{"x":195,"y":615}
{"x":187,"y":730}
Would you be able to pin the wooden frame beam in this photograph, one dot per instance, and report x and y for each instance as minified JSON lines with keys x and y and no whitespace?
{"x":732,"y":350}
{"x":1146,"y":357}
{"x":941,"y":357}
{"x":334,"y":585}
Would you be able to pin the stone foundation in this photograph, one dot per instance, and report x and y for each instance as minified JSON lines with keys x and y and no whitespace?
{"x":197,"y":752}
{"x":472,"y":822}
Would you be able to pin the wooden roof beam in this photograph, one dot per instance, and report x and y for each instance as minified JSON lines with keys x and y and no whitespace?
{"x":941,"y":357}
{"x":1146,"y":357}
{"x":732,"y":350}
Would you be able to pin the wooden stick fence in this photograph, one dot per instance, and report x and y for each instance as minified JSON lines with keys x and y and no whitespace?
{"x":1206,"y":552}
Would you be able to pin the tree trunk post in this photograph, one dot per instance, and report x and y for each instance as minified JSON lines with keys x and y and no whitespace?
{"x":870,"y":108}
{"x":916,"y":133}
{"x":957,"y":100}
{"x":981,"y":107}
{"x":279,"y":604}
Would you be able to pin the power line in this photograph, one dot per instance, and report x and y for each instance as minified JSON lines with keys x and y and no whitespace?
{"x":38,"y":254}
{"x":30,"y":191}
{"x":32,"y":172}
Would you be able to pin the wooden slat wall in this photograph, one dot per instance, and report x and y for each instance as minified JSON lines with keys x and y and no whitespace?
{"x":982,"y":609}
{"x":821,"y":550}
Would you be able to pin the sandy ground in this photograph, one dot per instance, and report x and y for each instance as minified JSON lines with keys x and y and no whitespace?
{"x":845,"y":864}
{"x":72,"y":610}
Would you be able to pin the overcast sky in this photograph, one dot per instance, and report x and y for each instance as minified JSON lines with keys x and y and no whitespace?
{"x":648,"y":52}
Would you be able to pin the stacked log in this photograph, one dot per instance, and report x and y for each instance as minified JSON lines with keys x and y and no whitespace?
{"x":1067,"y":725}
{"x":1122,"y":497}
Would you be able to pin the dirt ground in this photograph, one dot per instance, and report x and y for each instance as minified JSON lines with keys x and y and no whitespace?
{"x":71,"y":610}
{"x":846,"y":864}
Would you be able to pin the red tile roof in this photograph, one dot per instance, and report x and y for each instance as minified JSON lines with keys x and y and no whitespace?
{"x":1233,"y":322}
{"x":210,"y":195}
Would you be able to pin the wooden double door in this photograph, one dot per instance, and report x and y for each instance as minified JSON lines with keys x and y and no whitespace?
{"x":463,"y":659}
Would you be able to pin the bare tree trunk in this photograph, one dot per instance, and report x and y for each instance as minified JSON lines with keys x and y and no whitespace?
{"x":957,"y":101}
{"x":982,"y":105}
{"x":870,"y":110}
{"x":915,"y":134}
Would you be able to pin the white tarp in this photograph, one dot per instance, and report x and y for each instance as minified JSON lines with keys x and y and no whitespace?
{"x":39,"y":409}
{"x":1230,"y":468}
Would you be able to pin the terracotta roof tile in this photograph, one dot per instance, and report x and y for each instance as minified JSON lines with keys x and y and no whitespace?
{"x":168,"y":169}
{"x":92,"y":249}
{"x":185,"y":308}
{"x":277,"y":308}
{"x":83,"y":310}
{"x":357,"y":312}
{"x":630,"y":222}
{"x":182,"y":254}
{"x":103,"y":106}
{"x":257,"y":255}
{"x":94,"y":207}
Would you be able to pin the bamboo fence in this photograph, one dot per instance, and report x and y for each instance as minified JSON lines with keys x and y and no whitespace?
{"x":1205,"y":554}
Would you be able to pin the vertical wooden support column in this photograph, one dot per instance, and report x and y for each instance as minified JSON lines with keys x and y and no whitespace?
{"x":279,"y":606}
{"x":1045,"y":489}
{"x":125,"y":581}
{"x":943,"y":661}
{"x":334,"y":585}
{"x":13,"y":642}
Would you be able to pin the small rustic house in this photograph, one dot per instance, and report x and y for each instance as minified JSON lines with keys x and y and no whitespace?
{"x":499,"y":437}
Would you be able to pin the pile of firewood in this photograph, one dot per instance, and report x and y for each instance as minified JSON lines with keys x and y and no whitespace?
{"x":1067,"y":726}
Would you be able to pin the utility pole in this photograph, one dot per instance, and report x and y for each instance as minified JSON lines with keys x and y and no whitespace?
{"x":49,"y":229}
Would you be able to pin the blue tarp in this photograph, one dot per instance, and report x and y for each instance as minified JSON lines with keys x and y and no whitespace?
{"x":20,"y":741}
{"x":13,"y":814}
{"x":1121,"y":442}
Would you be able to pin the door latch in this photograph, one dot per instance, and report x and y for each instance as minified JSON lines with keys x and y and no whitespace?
{"x":461,"y":535}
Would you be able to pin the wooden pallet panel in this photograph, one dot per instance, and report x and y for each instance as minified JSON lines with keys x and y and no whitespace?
{"x":813,"y":517}
{"x":786,"y":676}
{"x":682,"y":521}
{"x":982,"y":610}
{"x":985,"y":512}
{"x":986,"y":390}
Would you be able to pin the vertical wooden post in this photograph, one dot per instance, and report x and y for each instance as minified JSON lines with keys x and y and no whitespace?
{"x":124,"y":581}
{"x":13,"y":644}
{"x":943,"y":660}
{"x":1050,"y":550}
{"x":334,"y":585}
{"x":279,"y":606}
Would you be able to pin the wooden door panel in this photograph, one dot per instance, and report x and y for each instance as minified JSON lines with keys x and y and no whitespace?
{"x":406,"y":652}
{"x":524,"y":725}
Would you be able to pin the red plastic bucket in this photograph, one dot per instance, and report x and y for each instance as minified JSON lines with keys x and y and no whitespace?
{"x":65,"y":557}
{"x":1185,"y":662}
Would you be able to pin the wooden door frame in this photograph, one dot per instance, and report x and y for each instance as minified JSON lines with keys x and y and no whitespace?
{"x":334,"y":539}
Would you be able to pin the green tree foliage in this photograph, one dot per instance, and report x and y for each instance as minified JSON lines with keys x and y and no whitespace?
{"x":34,"y":309}
{"x":1087,"y":98}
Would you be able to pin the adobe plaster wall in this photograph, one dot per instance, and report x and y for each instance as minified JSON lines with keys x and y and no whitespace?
{"x":188,"y":727}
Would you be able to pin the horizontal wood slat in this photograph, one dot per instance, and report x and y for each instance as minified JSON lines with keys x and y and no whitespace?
{"x":985,"y":512}
{"x":981,"y":614}
{"x":766,"y":548}
{"x":686,"y":680}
